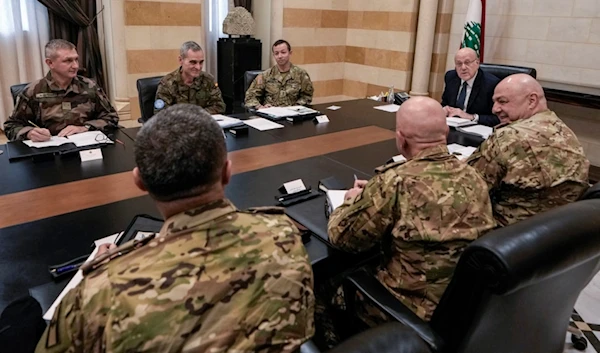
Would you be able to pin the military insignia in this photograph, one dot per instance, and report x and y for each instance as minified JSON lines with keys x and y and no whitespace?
{"x":46,"y":95}
{"x":266,"y":209}
{"x":66,"y":105}
{"x":159,"y":104}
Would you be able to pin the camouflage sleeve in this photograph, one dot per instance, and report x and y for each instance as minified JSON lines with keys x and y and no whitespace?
{"x":106,"y":116}
{"x":17,"y":125}
{"x":163,"y":93}
{"x":306,"y":90}
{"x":65,"y":331}
{"x":215,"y":101}
{"x":360,"y":223}
{"x":255,"y":92}
{"x":488,"y":162}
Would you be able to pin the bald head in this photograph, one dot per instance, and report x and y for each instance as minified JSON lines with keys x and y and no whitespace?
{"x":518,"y":96}
{"x":420,"y":124}
{"x":466,"y":63}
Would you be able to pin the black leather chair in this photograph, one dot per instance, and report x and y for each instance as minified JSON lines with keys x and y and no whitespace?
{"x":16,"y":89}
{"x":501,"y":71}
{"x":513,"y":289}
{"x":249,"y":76}
{"x":146,"y":88}
{"x":592,"y":193}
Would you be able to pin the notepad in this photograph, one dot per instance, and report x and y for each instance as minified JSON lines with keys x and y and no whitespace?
{"x":83,"y":139}
{"x":78,"y":277}
{"x":456,"y":121}
{"x":391,"y":108}
{"x":262,"y":124}
{"x":335,"y":198}
{"x":461,"y":152}
{"x":227,"y":121}
{"x":480,"y":130}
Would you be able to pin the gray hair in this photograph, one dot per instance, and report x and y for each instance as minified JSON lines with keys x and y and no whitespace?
{"x":189,"y":45}
{"x":180,"y":152}
{"x":55,"y":45}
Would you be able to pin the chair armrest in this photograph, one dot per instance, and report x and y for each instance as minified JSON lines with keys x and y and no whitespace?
{"x":392,"y":337}
{"x":370,"y":287}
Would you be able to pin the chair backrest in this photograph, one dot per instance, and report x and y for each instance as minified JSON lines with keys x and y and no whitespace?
{"x":16,"y":89}
{"x":249,"y":76}
{"x":514,"y":289}
{"x":146,"y":88}
{"x":392,"y":337}
{"x":592,"y":193}
{"x":501,"y":71}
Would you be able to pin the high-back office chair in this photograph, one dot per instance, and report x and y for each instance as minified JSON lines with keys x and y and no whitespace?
{"x":501,"y":71}
{"x":146,"y":88}
{"x":249,"y":76}
{"x":16,"y":89}
{"x":513,"y":289}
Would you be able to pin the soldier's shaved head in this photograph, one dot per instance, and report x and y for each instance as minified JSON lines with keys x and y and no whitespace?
{"x":518,"y":96}
{"x":180,"y":153}
{"x":420,"y":124}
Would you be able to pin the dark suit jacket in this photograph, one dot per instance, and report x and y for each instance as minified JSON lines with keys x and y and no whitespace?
{"x":480,"y":100}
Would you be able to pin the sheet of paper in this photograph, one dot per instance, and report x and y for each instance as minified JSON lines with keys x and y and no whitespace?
{"x":334,"y":107}
{"x":302,"y":110}
{"x":89,"y":138}
{"x":294,"y":186}
{"x":335,"y":198}
{"x":481,"y":130}
{"x":373,"y":98}
{"x":78,"y":277}
{"x":53,"y":142}
{"x":392,"y":108}
{"x":278,"y":112}
{"x":461,"y":152}
{"x":456,"y":121}
{"x":226,"y":121}
{"x":262,"y":124}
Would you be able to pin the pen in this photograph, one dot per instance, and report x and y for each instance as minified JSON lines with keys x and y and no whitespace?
{"x":33,"y":124}
{"x":65,"y":268}
{"x":355,"y":177}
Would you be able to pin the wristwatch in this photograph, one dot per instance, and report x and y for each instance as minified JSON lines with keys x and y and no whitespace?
{"x":89,"y":127}
{"x":475,"y":118}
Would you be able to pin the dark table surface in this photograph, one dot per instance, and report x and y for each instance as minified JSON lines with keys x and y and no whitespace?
{"x":26,"y":250}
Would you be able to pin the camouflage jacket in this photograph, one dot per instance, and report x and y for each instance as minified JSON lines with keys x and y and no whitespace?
{"x":280,"y":89}
{"x":203,"y":91}
{"x":49,"y":106}
{"x":423,"y":213}
{"x":531,"y":166}
{"x":214,"y":280}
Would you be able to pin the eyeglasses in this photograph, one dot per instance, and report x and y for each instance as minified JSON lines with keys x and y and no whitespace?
{"x":101,"y":138}
{"x":466,"y":63}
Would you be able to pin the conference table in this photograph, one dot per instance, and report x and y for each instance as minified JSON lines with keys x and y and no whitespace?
{"x":51,"y":211}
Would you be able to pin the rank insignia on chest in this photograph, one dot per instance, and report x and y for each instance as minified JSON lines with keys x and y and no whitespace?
{"x":46,"y":95}
{"x":66,"y":105}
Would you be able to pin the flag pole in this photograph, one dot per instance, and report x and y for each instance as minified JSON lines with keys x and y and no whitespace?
{"x":482,"y":30}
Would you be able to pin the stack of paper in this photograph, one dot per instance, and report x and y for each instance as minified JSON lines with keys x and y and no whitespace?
{"x":392,"y":108}
{"x":456,"y":121}
{"x":278,"y":112}
{"x":461,"y":152}
{"x":80,"y":140}
{"x":479,"y":130}
{"x":226,"y":121}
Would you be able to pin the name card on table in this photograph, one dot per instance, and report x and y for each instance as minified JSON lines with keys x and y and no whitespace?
{"x":90,"y":155}
{"x":322,"y":119}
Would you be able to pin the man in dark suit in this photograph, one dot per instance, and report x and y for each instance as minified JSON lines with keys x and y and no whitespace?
{"x":469,"y":90}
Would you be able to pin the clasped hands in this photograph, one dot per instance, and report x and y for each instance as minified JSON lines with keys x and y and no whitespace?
{"x":358,"y":187}
{"x":40,"y":134}
{"x":451,"y":111}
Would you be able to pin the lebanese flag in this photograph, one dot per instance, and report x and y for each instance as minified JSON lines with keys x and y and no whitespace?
{"x":474,"y":28}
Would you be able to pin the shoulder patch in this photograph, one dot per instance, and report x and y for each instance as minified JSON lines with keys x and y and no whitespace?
{"x":266,"y":209}
{"x":385,"y":167}
{"x":159,"y":104}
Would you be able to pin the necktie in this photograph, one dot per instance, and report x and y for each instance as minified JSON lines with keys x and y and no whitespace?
{"x":460,"y":103}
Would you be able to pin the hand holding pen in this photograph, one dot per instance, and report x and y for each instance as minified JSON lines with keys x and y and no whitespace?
{"x":38,"y":134}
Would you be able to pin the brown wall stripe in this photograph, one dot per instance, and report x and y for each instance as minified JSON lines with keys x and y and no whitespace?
{"x":152,"y":60}
{"x":31,"y":205}
{"x":151,"y":13}
{"x":328,"y":88}
{"x":373,"y":20}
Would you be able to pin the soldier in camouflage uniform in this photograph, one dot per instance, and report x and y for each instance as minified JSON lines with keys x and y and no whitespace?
{"x":215,"y":279}
{"x":282,"y":85}
{"x":189,"y":84}
{"x":422,"y":212}
{"x":532,"y":162}
{"x":62,"y":103}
